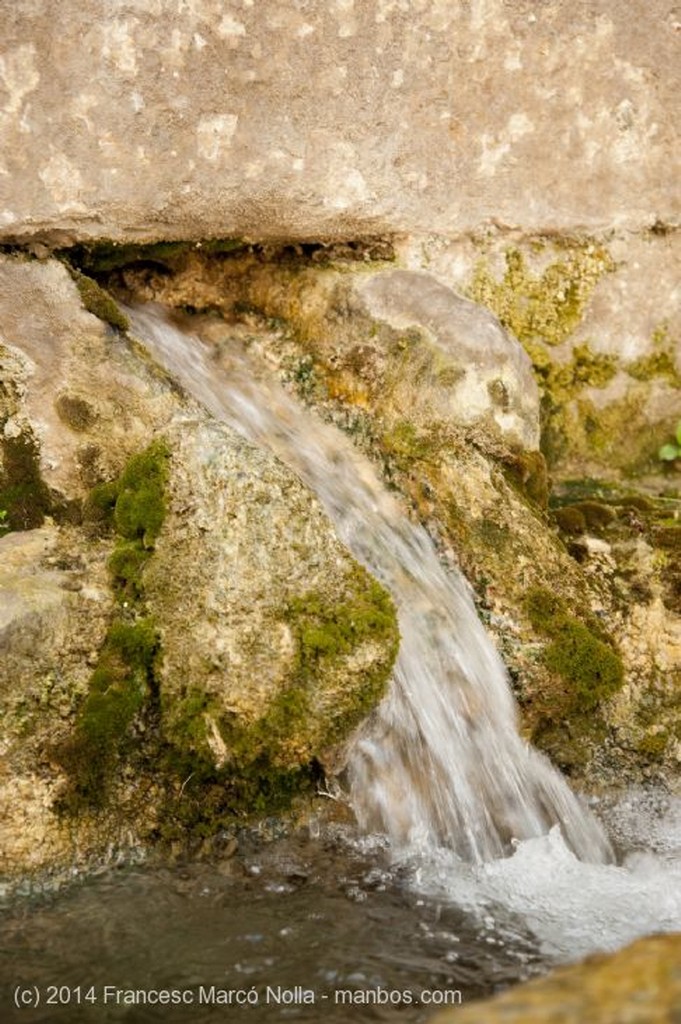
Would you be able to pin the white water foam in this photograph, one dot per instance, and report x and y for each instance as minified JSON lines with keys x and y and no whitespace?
{"x":572,"y":908}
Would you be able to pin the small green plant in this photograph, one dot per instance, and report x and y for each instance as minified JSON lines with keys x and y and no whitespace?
{"x":3,"y":517}
{"x":672,"y":451}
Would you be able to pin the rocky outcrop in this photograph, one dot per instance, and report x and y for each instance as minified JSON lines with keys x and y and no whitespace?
{"x":640,"y":985}
{"x":379,"y":336}
{"x":275,"y":642}
{"x":182,"y":636}
{"x":588,"y":620}
{"x":195,"y":120}
{"x":600,"y":320}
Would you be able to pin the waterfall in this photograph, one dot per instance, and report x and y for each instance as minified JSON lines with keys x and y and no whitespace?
{"x":440,"y":762}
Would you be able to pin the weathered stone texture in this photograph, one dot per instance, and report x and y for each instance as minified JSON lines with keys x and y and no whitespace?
{"x":163,"y":118}
{"x":244,"y":538}
{"x":489,"y":374}
{"x":638,"y":985}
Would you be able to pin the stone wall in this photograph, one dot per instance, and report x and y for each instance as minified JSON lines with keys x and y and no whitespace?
{"x":197,"y":118}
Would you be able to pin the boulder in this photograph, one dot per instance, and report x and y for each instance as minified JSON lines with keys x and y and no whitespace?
{"x":638,"y":985}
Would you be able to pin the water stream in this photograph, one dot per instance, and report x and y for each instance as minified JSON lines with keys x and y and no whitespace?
{"x":441,"y":761}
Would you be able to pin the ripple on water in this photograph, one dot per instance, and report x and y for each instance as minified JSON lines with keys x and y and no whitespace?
{"x":326,"y":914}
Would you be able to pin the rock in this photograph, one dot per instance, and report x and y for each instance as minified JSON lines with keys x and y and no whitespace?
{"x":172,"y":120}
{"x":45,"y":634}
{"x":381,"y":337}
{"x":638,"y":985}
{"x":246,"y":570}
{"x":600,"y":320}
{"x":387,"y":355}
{"x":72,"y":382}
{"x":275,"y":643}
{"x":489,"y":374}
{"x":25,"y":590}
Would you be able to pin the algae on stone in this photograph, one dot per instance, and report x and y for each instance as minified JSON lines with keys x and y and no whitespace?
{"x":275,"y":642}
{"x":544,"y":307}
{"x":98,"y":302}
{"x":581,"y":652}
{"x":24,"y":496}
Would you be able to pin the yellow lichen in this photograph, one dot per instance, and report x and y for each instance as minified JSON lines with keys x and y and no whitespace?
{"x":544,"y":307}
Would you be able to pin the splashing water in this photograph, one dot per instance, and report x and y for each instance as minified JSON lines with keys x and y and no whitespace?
{"x":440,"y":762}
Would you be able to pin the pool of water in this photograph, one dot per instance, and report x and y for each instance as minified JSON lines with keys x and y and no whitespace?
{"x":307,"y":927}
{"x":322,"y":924}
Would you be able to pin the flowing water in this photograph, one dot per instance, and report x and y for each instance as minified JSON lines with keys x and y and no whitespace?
{"x":474,"y":866}
{"x":441,"y":761}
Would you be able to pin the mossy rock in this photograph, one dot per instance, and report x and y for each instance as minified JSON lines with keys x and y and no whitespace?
{"x":124,"y":679}
{"x":653,"y":745}
{"x":98,"y":302}
{"x":305,"y":717}
{"x":226,"y":767}
{"x":75,"y":412}
{"x":527,"y":471}
{"x":570,"y":520}
{"x":593,"y":669}
{"x":120,"y":684}
{"x":580,"y":652}
{"x":584,"y":517}
{"x":24,"y":496}
{"x":140,"y":508}
{"x":547,"y":306}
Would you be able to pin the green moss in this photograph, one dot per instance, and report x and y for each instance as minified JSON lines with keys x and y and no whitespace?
{"x":618,"y":435}
{"x":580,"y":652}
{"x":570,"y":520}
{"x":562,"y":381}
{"x":140,"y":500}
{"x":545,"y":307}
{"x":543,"y":310}
{"x":24,"y":496}
{"x":653,"y":745}
{"x":325,"y":633}
{"x":123,"y":680}
{"x":570,"y":742}
{"x":272,"y":758}
{"x":592,"y":668}
{"x":274,"y":750}
{"x":100,"y":505}
{"x":587,"y":368}
{"x":119,"y":687}
{"x":596,"y":515}
{"x":656,"y":365}
{"x":405,"y":445}
{"x":324,"y":630}
{"x":528,"y":473}
{"x":661,"y":362}
{"x":134,"y":507}
{"x":545,"y":610}
{"x":75,"y":412}
{"x":98,"y":302}
{"x":126,"y":564}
